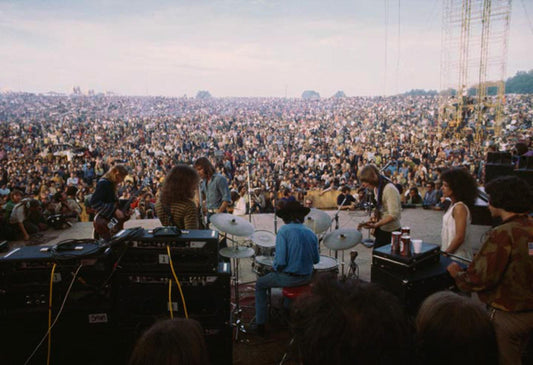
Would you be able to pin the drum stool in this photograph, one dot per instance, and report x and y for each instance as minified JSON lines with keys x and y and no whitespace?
{"x":291,"y":293}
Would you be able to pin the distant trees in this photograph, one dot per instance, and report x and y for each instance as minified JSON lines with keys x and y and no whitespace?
{"x":418,"y":92}
{"x":339,"y":94}
{"x":521,"y":83}
{"x":203,"y":94}
{"x":310,"y":94}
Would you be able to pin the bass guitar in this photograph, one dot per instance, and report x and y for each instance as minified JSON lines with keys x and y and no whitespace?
{"x":106,"y":228}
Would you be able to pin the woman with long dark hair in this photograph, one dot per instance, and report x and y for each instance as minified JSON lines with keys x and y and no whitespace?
{"x":460,"y":187}
{"x":176,"y":205}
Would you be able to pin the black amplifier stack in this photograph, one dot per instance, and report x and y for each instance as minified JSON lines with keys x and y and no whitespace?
{"x":411,"y":278}
{"x":108,"y":294}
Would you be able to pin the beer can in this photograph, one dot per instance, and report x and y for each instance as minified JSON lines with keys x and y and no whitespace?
{"x":395,"y":243}
{"x":406,"y":231}
{"x":406,"y":246}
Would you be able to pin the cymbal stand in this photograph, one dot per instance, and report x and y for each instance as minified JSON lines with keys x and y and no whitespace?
{"x":353,"y":273}
{"x":237,"y":311}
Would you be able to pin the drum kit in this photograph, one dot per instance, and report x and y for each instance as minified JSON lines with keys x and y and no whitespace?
{"x":265,"y":243}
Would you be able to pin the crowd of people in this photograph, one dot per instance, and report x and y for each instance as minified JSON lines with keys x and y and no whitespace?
{"x":157,"y":153}
{"x":270,"y":145}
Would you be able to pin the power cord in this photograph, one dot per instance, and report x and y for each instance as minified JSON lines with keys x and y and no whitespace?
{"x":57,"y":316}
{"x":177,"y":282}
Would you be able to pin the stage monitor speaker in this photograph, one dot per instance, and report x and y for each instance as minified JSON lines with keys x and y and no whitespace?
{"x":500,"y":158}
{"x":493,"y":171}
{"x":413,"y":287}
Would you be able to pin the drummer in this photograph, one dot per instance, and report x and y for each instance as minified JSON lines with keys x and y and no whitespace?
{"x":296,"y":253}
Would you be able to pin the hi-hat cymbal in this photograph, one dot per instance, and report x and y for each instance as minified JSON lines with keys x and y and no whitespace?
{"x":231,"y":224}
{"x":265,"y":239}
{"x":237,"y":252}
{"x":318,"y":220}
{"x":342,"y":239}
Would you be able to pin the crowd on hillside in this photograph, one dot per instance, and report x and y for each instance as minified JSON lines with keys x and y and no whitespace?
{"x":291,"y":145}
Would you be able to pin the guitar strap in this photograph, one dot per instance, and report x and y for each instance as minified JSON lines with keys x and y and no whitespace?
{"x":383,"y":181}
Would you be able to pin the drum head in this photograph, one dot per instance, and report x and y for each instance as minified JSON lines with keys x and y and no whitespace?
{"x":326,"y":263}
{"x":265,"y":260}
{"x":265,"y":239}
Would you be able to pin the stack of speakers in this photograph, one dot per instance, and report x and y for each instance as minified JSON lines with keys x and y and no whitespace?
{"x":118,"y":293}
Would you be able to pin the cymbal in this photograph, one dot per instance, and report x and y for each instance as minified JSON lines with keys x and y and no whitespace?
{"x":318,"y":220}
{"x":342,"y":239}
{"x":237,"y":252}
{"x":229,"y":223}
{"x":265,"y":239}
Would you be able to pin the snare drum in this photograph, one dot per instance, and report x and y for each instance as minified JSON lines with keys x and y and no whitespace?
{"x":262,"y":265}
{"x":326,"y":265}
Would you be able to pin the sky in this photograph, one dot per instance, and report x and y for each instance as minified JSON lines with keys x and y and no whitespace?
{"x":250,"y":48}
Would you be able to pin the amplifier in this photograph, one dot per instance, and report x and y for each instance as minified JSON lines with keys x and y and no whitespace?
{"x":191,"y":251}
{"x":207,"y":295}
{"x":428,"y":256}
{"x":413,"y":287}
{"x":25,"y":277}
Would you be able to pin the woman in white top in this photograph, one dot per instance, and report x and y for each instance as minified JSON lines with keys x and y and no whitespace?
{"x":460,"y":187}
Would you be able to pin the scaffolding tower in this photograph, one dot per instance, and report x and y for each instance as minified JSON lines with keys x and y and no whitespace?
{"x":475,"y":35}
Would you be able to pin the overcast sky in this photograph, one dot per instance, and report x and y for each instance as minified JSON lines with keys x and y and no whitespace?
{"x":232,"y":47}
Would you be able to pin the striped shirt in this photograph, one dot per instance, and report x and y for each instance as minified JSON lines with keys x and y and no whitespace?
{"x":184,"y":214}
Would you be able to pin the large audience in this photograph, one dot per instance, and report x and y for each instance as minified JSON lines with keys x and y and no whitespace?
{"x":281,"y":144}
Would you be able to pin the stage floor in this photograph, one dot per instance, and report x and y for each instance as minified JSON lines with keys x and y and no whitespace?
{"x":424,"y":224}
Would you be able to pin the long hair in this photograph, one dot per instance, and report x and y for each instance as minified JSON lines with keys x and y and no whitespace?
{"x":462,"y":184}
{"x":510,"y":193}
{"x":114,"y":172}
{"x":350,"y":323}
{"x":453,"y":329}
{"x":205,"y":164}
{"x":180,"y":184}
{"x":369,"y":174}
{"x":172,"y":341}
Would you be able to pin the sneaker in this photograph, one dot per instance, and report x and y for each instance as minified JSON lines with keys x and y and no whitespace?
{"x":256,"y":329}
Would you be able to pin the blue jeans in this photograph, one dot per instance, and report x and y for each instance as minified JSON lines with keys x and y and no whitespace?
{"x":273,"y":280}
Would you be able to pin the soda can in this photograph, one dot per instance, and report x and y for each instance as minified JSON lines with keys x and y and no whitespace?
{"x":406,"y":246}
{"x":406,"y":231}
{"x":395,"y":243}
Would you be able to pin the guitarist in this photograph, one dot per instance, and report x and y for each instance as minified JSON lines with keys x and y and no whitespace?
{"x":105,"y":201}
{"x":388,"y":205}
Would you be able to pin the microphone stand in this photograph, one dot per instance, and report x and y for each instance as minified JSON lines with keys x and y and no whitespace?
{"x":249,"y":194}
{"x":275,"y":202}
{"x":202,"y":215}
{"x":336,"y":218}
{"x":368,"y":242}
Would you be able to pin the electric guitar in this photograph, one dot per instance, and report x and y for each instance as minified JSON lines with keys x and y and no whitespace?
{"x":374,"y":217}
{"x":106,"y":228}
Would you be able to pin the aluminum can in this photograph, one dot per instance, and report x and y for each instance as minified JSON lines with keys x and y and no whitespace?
{"x":406,"y":231}
{"x":406,"y":246}
{"x":395,"y":243}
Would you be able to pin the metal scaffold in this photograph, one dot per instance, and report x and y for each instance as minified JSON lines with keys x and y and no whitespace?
{"x":475,"y":35}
